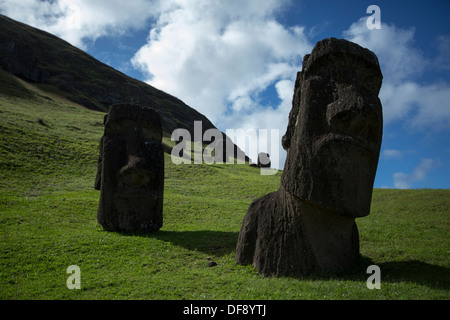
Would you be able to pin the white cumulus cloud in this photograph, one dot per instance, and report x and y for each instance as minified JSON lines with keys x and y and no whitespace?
{"x":391,"y":154}
{"x":407,"y":180}
{"x":80,"y":21}
{"x":221,"y":56}
{"x":404,"y":97}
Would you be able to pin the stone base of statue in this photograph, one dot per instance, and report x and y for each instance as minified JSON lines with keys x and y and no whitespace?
{"x":282,"y":235}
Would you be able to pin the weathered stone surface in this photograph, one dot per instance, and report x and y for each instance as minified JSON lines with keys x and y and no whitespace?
{"x":284,"y":236}
{"x":333,"y":142}
{"x":131,"y":170}
{"x":335,"y":128}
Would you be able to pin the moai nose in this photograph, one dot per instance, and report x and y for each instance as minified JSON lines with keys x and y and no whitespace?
{"x":136,"y":172}
{"x":358,"y":118}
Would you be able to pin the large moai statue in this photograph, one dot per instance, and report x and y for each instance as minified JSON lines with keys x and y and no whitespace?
{"x":333,"y":142}
{"x":131,"y":170}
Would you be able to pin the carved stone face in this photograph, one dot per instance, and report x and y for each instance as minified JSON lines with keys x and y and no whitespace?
{"x":334,"y":136}
{"x":131,"y":170}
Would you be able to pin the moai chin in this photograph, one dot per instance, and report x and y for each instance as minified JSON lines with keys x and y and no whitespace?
{"x":131,"y":170}
{"x":333,"y":142}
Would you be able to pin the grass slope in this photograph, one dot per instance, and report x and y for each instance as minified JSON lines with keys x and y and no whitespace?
{"x":49,"y":149}
{"x":57,"y":66}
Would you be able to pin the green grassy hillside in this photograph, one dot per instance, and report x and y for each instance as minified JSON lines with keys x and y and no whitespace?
{"x":49,"y":150}
{"x":55,"y":65}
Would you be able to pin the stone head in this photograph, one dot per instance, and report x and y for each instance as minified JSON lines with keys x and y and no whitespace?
{"x":334,"y":134}
{"x":131,"y":169}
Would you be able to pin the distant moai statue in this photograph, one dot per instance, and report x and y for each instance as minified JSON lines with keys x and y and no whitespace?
{"x":130,"y":171}
{"x":264,"y":160}
{"x":333,"y":141}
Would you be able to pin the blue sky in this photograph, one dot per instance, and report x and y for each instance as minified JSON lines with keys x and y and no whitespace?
{"x":236,"y":62}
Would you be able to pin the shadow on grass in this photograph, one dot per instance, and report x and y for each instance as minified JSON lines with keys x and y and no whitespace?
{"x":217,"y":243}
{"x":413,"y":271}
{"x":220,"y":243}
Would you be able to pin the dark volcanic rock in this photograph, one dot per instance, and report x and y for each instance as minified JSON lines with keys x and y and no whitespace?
{"x":335,"y":128}
{"x":333,"y":142}
{"x":40,"y":57}
{"x":284,"y":236}
{"x":131,"y":170}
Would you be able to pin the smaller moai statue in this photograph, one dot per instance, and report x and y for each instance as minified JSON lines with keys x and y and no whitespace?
{"x":130,"y":173}
{"x":264,"y":160}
